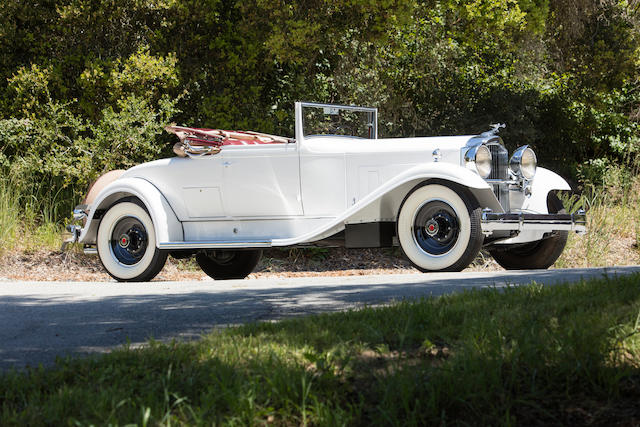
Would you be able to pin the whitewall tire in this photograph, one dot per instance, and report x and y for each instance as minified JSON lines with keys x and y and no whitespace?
{"x":439,"y":228}
{"x":127,"y":244}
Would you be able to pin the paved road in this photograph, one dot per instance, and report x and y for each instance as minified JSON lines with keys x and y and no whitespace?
{"x":41,"y":320}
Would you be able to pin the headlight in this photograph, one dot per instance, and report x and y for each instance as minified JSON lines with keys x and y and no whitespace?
{"x":479,"y":157}
{"x":523,"y":163}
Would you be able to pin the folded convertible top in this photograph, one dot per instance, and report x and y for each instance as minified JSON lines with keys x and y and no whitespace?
{"x":200,"y":142}
{"x":219,"y":137}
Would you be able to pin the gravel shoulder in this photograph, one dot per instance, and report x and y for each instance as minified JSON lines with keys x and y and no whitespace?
{"x":73,"y":265}
{"x":276,"y":263}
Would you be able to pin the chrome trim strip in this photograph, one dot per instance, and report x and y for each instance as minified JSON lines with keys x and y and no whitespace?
{"x":340,"y":106}
{"x":216,"y":244}
{"x":501,"y":181}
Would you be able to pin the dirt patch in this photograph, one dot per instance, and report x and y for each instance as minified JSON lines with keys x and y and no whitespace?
{"x":276,"y":263}
{"x":74,"y":265}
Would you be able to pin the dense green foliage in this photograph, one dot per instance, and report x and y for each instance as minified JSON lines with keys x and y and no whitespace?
{"x":87,"y":86}
{"x":530,"y":355}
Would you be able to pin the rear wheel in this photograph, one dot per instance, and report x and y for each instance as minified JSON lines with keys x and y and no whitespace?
{"x":540,"y":254}
{"x":439,"y":228}
{"x":223,"y":265}
{"x":127,"y":244}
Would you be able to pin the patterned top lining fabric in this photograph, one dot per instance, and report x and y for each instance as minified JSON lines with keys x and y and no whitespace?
{"x":219,"y":137}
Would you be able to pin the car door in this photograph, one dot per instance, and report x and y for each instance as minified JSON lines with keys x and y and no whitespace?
{"x":322,"y":164}
{"x":261,"y":180}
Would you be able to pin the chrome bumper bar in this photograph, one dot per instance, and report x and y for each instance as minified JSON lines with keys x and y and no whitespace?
{"x":79,"y":215}
{"x":521,"y":221}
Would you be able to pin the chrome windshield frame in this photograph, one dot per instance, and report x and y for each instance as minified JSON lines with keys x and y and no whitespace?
{"x":372,"y":112}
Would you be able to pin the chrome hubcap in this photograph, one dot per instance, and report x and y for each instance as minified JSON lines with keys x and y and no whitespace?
{"x":124,"y":241}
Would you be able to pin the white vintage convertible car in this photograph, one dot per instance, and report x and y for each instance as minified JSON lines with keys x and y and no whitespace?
{"x":228,"y":195}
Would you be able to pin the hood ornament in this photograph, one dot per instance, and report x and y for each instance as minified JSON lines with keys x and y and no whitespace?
{"x":495,"y":128}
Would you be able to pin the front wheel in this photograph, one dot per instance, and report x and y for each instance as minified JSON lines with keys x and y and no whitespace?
{"x":127,"y":244}
{"x":537,"y":255}
{"x":223,"y":265}
{"x":439,"y":228}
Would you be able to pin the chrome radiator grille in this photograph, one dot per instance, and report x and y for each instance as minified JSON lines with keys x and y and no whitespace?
{"x":502,"y":194}
{"x":500,"y":171}
{"x":499,"y":162}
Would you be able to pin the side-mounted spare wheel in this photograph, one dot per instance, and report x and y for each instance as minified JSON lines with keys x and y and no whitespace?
{"x":541,"y":254}
{"x":127,"y":244}
{"x":223,"y":265}
{"x":439,"y":227}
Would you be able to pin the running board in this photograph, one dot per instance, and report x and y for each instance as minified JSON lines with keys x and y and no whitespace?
{"x":216,"y":244}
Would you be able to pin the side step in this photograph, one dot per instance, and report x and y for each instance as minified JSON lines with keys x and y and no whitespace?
{"x":215,"y":244}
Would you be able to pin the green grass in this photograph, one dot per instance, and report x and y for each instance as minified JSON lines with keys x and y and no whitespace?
{"x":9,"y":217}
{"x":33,"y":218}
{"x":525,"y":355}
{"x":613,"y":228}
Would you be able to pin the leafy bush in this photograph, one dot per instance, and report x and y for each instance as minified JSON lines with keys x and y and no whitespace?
{"x":47,"y":145}
{"x":86,"y":86}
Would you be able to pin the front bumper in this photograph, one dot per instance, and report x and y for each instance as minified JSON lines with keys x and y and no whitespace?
{"x":520,"y":221}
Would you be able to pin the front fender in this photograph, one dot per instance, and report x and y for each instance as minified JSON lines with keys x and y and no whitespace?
{"x":444,"y":171}
{"x":383,"y":203}
{"x":165,"y":221}
{"x":543,"y":182}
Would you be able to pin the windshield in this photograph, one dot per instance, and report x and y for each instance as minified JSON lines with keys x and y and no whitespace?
{"x":323,"y":119}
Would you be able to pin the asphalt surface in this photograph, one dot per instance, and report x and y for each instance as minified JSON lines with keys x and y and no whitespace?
{"x":43,"y":320}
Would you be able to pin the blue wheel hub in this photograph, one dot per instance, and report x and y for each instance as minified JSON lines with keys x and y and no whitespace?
{"x":436,"y":228}
{"x":129,"y":241}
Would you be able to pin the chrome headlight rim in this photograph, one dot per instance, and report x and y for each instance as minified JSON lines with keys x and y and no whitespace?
{"x":524,"y":162}
{"x":479,"y":159}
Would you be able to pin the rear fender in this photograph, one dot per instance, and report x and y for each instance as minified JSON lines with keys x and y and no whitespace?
{"x":165,"y":221}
